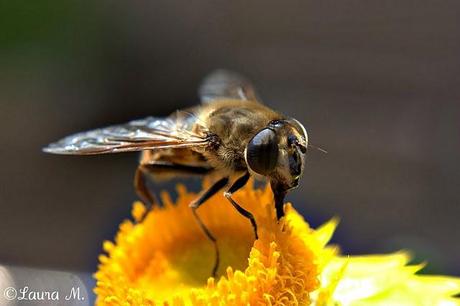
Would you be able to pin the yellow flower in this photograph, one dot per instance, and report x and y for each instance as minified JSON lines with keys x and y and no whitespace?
{"x":383,"y":280}
{"x":165,"y":259}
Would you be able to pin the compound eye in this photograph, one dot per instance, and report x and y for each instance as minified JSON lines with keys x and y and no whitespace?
{"x":262,"y":152}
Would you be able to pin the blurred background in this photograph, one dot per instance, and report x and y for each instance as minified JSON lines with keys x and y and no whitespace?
{"x":376,"y":83}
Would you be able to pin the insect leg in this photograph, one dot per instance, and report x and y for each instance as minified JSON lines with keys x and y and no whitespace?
{"x":215,"y":188}
{"x":140,"y":187}
{"x":158,"y":170}
{"x":238,"y":184}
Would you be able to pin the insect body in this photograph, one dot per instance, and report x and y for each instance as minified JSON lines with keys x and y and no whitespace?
{"x":231,"y":134}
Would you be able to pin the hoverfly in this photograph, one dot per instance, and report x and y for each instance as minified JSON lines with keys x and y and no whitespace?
{"x":231,"y":133}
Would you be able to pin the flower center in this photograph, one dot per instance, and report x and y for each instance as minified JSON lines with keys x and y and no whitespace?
{"x":180,"y":256}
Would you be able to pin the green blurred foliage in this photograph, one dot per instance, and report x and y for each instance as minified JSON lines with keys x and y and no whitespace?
{"x":46,"y":30}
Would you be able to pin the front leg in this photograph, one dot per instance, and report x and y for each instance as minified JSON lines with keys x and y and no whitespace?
{"x":216,"y":187}
{"x":237,"y":185}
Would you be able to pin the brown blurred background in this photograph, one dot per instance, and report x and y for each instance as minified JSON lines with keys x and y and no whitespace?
{"x":376,"y":83}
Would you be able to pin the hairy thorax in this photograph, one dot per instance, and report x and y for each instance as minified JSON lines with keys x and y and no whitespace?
{"x":233,"y":123}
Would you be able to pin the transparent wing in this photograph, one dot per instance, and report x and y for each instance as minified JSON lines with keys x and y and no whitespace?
{"x":226,"y":84}
{"x":178,"y":131}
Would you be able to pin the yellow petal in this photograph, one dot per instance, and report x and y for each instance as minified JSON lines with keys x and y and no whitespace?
{"x":383,"y":280}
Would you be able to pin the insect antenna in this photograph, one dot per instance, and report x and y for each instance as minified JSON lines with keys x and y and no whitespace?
{"x":318,"y":148}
